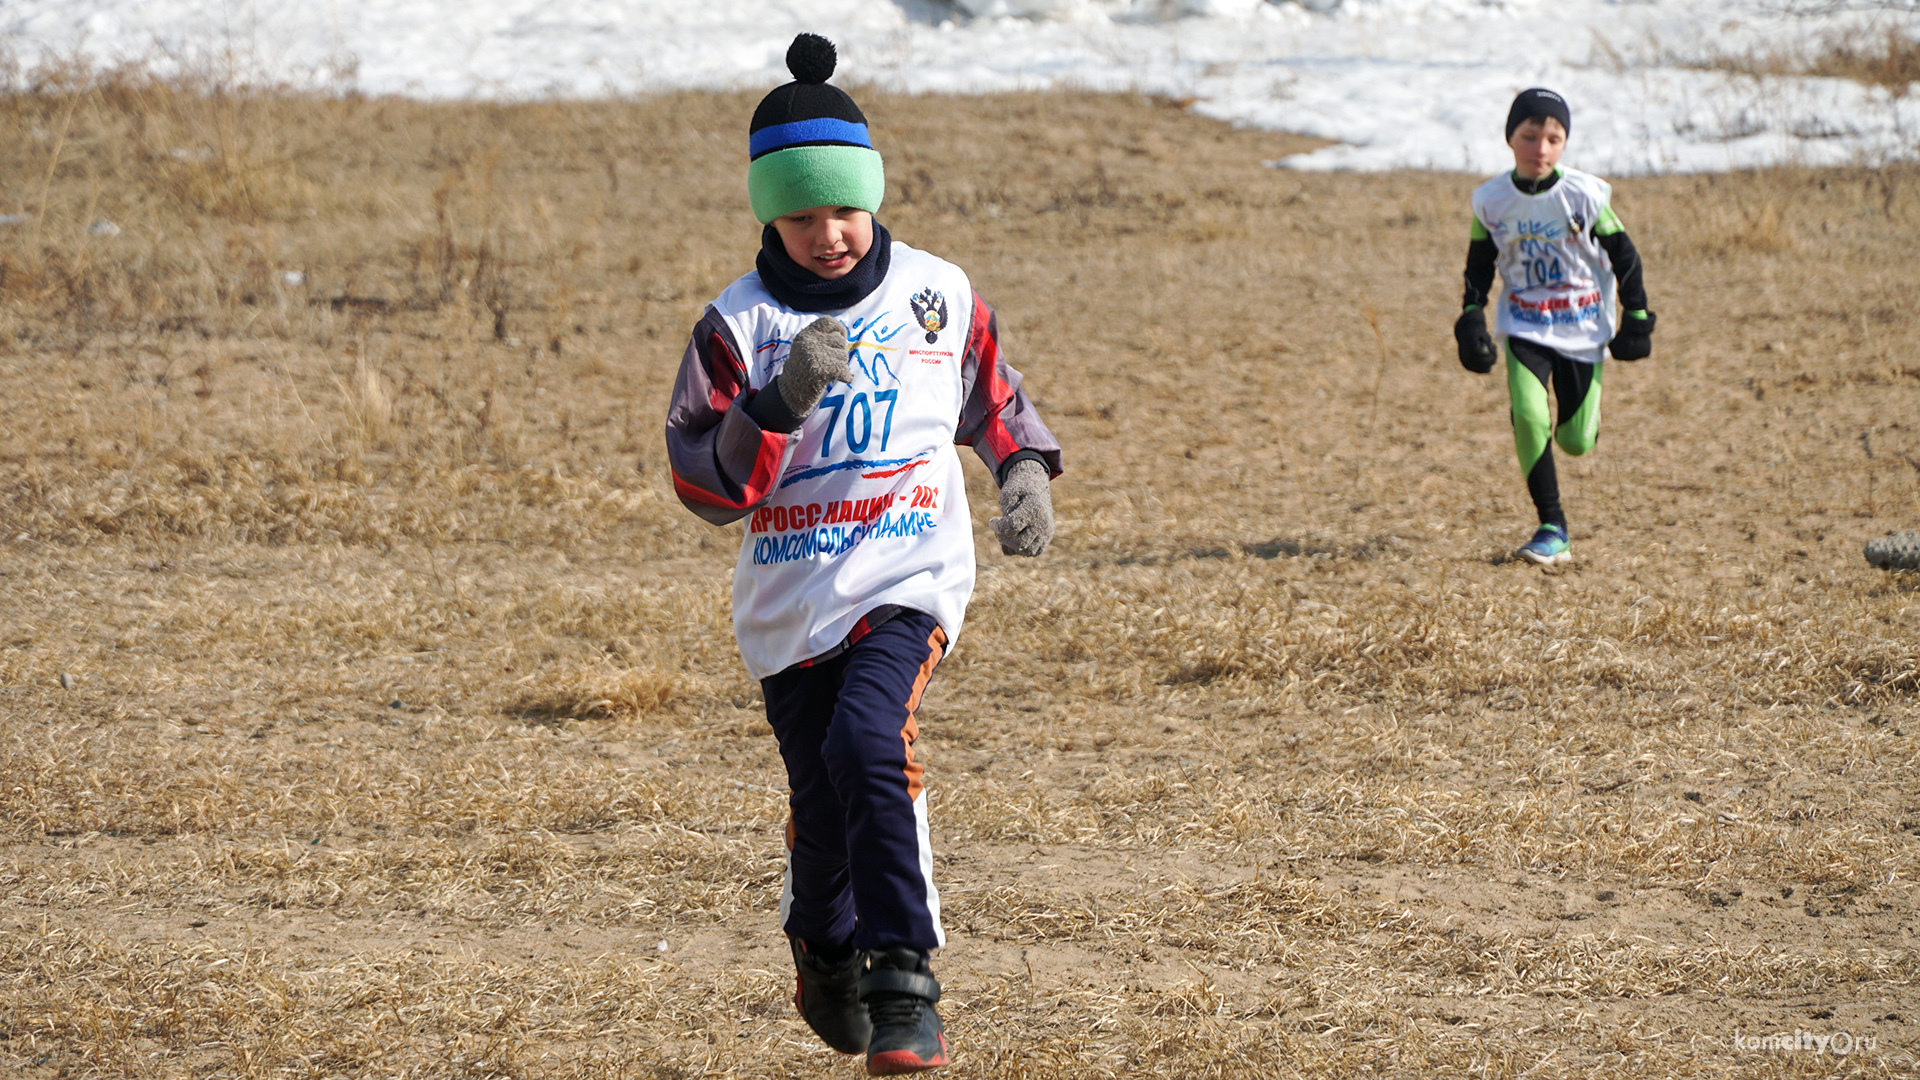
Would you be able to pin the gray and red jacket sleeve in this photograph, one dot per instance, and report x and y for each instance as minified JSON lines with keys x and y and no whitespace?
{"x":724,"y":464}
{"x":997,"y":418}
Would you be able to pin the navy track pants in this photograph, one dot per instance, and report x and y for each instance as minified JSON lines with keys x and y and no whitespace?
{"x":859,"y":864}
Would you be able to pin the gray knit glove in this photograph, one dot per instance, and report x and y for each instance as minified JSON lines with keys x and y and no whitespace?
{"x":817,"y":360}
{"x":1026,"y":508}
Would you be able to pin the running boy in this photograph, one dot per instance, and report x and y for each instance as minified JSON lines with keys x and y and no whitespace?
{"x":1560,"y":251}
{"x":820,"y":399}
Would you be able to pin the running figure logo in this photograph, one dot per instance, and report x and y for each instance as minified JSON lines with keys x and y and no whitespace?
{"x":930,"y":311}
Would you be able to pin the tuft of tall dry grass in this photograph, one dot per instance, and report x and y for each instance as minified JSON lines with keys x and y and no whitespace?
{"x":1888,"y":58}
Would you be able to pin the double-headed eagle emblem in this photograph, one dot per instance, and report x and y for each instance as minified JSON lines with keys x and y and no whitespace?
{"x":930,"y":311}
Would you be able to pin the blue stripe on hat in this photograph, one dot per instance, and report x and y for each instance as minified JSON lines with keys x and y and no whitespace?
{"x":824,"y":129}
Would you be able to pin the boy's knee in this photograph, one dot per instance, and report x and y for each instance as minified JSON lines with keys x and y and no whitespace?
{"x":853,"y":756}
{"x":1575,"y":442}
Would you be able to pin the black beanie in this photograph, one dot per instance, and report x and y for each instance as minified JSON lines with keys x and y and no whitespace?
{"x":1538,"y":104}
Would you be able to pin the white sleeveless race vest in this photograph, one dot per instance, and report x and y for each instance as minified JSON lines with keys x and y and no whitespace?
{"x":1556,"y":282}
{"x":871,"y":508}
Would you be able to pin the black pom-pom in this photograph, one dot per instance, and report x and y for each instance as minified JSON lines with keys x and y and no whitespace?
{"x":811,"y":58}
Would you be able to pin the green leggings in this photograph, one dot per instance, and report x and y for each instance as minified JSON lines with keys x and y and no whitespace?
{"x":1530,"y":369}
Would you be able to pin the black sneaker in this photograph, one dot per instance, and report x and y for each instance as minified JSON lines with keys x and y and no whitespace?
{"x":899,"y":991}
{"x":828,"y":997}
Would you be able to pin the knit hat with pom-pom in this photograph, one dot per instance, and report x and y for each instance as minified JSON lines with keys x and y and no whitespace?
{"x":808,"y":144}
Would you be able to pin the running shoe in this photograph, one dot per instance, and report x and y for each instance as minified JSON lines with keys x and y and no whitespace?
{"x":828,"y":996}
{"x":1548,"y":546}
{"x":900,"y":991}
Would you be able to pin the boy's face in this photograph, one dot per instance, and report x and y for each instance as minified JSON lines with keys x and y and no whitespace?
{"x":1537,"y":144}
{"x":827,"y":240}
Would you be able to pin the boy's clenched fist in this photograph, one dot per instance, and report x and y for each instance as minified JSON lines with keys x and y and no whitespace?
{"x":1025,"y":524}
{"x":1477,"y":351}
{"x":817,"y":360}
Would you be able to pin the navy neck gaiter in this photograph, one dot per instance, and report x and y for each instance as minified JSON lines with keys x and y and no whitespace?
{"x":801,"y":289}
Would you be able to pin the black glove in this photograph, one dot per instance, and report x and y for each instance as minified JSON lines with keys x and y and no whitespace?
{"x":1635,"y":339}
{"x":1477,"y":353}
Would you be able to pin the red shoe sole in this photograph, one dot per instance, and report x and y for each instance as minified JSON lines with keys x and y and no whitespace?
{"x":896,"y":1062}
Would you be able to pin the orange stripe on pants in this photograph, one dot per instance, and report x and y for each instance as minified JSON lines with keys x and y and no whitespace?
{"x":936,"y":648}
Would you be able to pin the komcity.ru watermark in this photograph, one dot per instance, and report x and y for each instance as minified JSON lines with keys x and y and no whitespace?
{"x":1838,"y":1043}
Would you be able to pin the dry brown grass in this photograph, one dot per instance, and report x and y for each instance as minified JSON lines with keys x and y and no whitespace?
{"x":368,"y":713}
{"x":1888,"y":58}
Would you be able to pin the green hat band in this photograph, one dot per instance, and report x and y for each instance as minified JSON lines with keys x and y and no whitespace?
{"x":803,"y":176}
